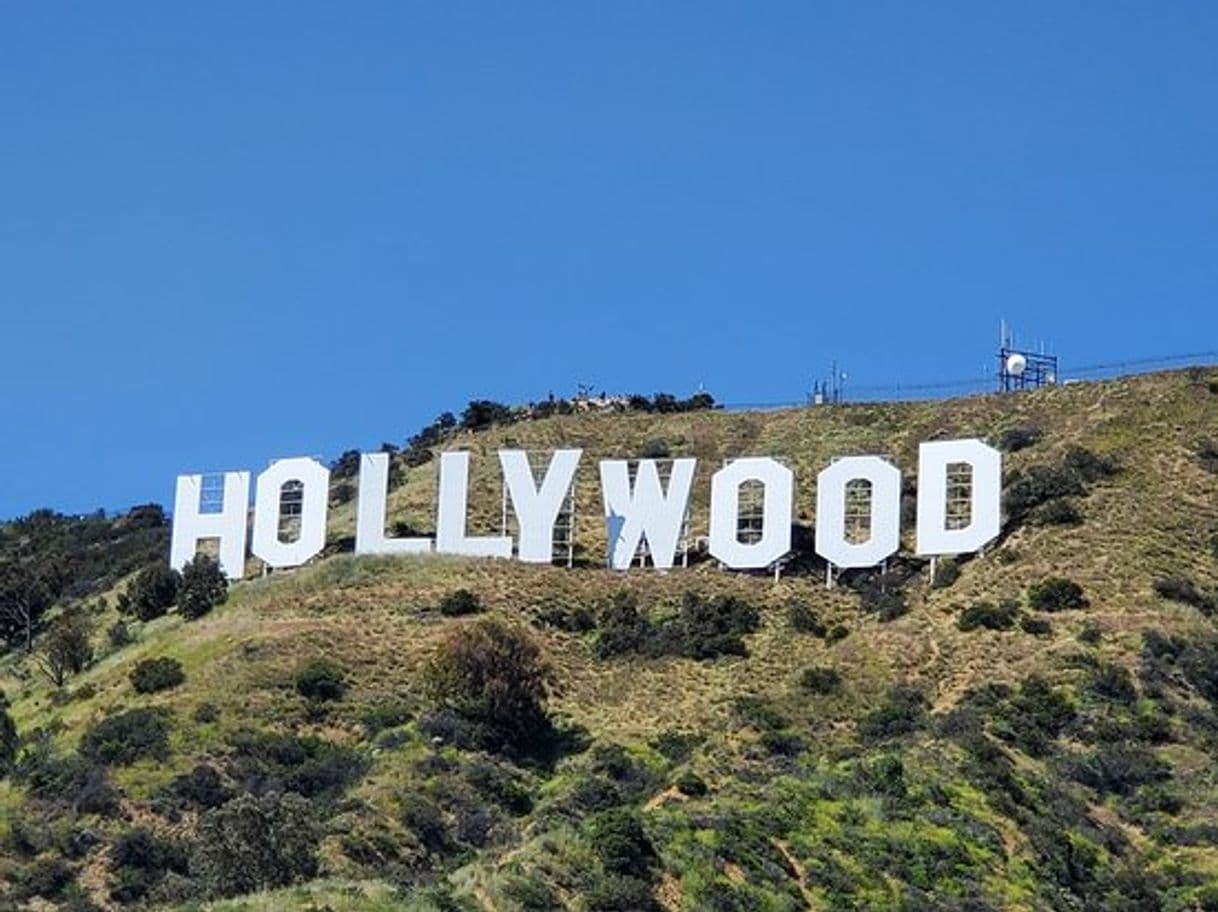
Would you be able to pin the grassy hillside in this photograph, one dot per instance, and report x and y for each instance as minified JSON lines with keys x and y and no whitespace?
{"x":889,"y":744}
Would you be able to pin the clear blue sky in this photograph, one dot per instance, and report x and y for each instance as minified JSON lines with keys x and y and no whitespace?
{"x":234,"y":231}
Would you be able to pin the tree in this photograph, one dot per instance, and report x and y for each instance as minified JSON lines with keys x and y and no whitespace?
{"x":204,"y":586}
{"x":152,"y":591}
{"x":253,"y":844}
{"x":66,"y":648}
{"x":493,"y":674}
{"x":26,"y":592}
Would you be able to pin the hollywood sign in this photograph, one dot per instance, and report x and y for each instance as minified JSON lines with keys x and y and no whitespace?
{"x":636,"y":509}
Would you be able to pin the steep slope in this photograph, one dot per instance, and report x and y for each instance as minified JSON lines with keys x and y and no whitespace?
{"x":1058,"y":761}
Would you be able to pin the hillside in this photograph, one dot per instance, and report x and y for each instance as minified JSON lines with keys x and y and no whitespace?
{"x":887,"y":744}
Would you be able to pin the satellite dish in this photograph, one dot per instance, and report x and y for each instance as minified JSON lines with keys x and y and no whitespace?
{"x":1016,"y":364}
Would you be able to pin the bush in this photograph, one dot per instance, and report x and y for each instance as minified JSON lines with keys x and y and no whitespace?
{"x":1037,"y":486}
{"x":493,"y":674}
{"x":320,"y":680}
{"x":264,"y":762}
{"x":1207,"y":455}
{"x":691,"y":785}
{"x":140,"y":860}
{"x":819,"y":679}
{"x":902,"y":711}
{"x":128,"y":736}
{"x":1119,"y":768}
{"x":656,"y":448}
{"x":620,"y":843}
{"x":702,"y":628}
{"x":1112,"y":682}
{"x":991,"y":616}
{"x":803,"y":618}
{"x":202,"y":787}
{"x":1035,"y":626}
{"x":622,"y":628}
{"x":1014,"y":439}
{"x":152,"y":592}
{"x":118,"y":635}
{"x":8,"y":738}
{"x":154,"y":675}
{"x":48,"y":878}
{"x":1060,"y":512}
{"x":947,"y":571}
{"x":1056,"y":594}
{"x":1181,"y":589}
{"x":253,"y":844}
{"x":204,"y":586}
{"x":460,"y":602}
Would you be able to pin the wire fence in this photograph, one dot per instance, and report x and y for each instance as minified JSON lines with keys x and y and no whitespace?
{"x":943,"y":389}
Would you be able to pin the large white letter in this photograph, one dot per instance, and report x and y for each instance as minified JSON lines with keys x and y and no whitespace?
{"x":985,"y":504}
{"x":314,"y":479}
{"x":775,"y":540}
{"x":370,"y":535}
{"x":645,"y":511}
{"x":536,"y":510}
{"x":885,"y":512}
{"x":450,"y":517}
{"x":229,"y":525}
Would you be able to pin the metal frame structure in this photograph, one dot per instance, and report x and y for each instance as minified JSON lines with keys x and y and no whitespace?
{"x":563,"y":541}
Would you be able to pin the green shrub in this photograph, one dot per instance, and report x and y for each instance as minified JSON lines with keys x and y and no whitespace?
{"x":703,"y":628}
{"x":1056,"y":594}
{"x":1119,"y":768}
{"x":1059,"y":512}
{"x":803,"y":618}
{"x":202,"y":787}
{"x":758,"y":713}
{"x":255,"y":843}
{"x":902,"y":711}
{"x":1207,"y":455}
{"x":118,"y":635}
{"x":153,"y":591}
{"x":321,"y":680}
{"x":1181,"y":589}
{"x":460,"y":602}
{"x":618,"y":839}
{"x":656,"y":448}
{"x":820,"y":679}
{"x":836,"y":633}
{"x":310,"y":766}
{"x":621,"y":628}
{"x":1035,"y":626}
{"x":1112,"y":682}
{"x":991,"y":616}
{"x":154,"y":675}
{"x":691,"y":785}
{"x":8,"y":738}
{"x":47,"y":878}
{"x":493,"y":674}
{"x":204,"y":586}
{"x":947,"y":571}
{"x":1014,"y":439}
{"x":139,"y":861}
{"x":127,"y":736}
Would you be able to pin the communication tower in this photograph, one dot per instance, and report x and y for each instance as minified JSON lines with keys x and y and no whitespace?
{"x":1021,"y":368}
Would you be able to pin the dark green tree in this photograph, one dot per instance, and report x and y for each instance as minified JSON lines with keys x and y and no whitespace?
{"x":152,"y":592}
{"x":67,"y":646}
{"x":493,"y":674}
{"x":253,"y":844}
{"x":204,"y":586}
